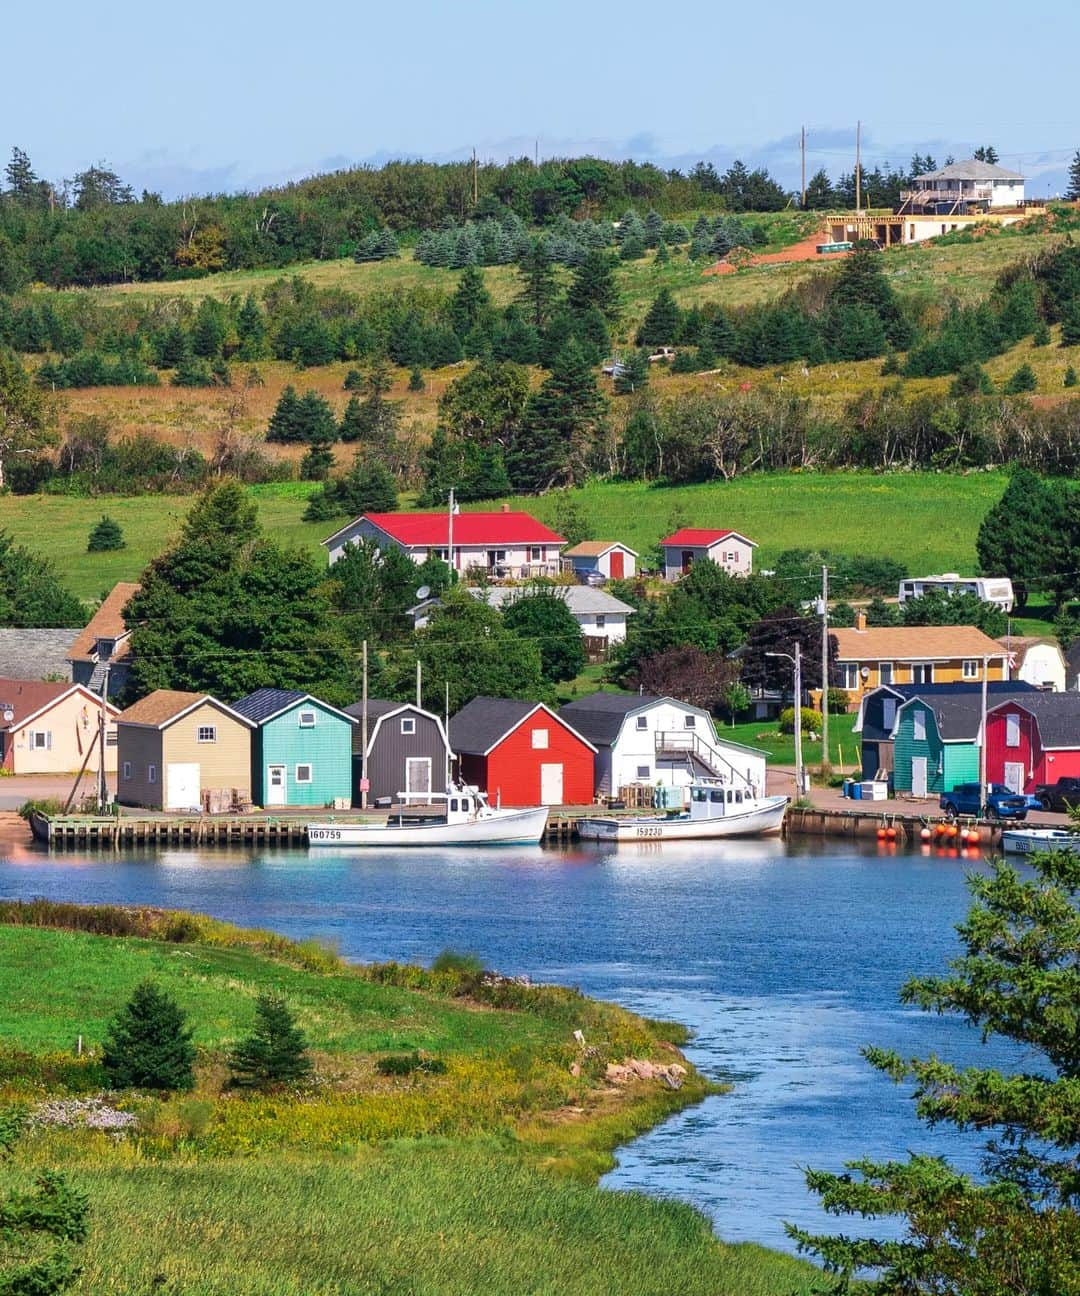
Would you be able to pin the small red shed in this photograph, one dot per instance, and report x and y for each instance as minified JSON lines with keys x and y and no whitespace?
{"x":521,"y":753}
{"x":1036,"y":740}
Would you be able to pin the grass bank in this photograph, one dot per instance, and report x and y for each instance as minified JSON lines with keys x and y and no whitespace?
{"x":481,"y":1178}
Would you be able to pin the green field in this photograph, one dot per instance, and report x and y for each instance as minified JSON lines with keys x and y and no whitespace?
{"x":478,"y":1180}
{"x":927,"y":521}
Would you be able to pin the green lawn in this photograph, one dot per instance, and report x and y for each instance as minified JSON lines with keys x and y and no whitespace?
{"x":927,"y":521}
{"x":781,"y":747}
{"x":478,"y":1180}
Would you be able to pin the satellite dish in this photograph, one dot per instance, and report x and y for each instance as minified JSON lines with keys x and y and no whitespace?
{"x":9,"y":715}
{"x":864,"y":671}
{"x":423,"y":592}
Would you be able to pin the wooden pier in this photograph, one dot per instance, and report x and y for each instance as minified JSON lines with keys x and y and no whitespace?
{"x":907,"y":828}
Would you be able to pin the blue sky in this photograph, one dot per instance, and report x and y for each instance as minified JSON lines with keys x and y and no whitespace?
{"x":208,"y":96}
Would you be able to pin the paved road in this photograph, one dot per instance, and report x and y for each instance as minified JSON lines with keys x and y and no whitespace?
{"x":32,"y":787}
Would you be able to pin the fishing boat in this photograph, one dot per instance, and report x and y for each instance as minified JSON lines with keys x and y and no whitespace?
{"x":717,"y":809}
{"x":1022,"y":841}
{"x":459,"y":817}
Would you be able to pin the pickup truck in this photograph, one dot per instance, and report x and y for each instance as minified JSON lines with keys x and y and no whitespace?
{"x":1059,"y":796}
{"x":1000,"y":802}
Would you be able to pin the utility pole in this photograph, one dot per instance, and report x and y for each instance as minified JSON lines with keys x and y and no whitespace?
{"x":364,"y":736}
{"x":450,"y":534}
{"x":858,"y":166}
{"x":824,"y":668}
{"x":799,"y":777}
{"x":103,"y":783}
{"x":802,"y":143}
{"x":982,"y":735}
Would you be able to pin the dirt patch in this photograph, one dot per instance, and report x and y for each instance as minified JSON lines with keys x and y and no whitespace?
{"x":805,"y":250}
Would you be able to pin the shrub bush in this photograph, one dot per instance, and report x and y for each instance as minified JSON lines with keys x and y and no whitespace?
{"x":839,"y":701}
{"x":401,"y":1064}
{"x":786,"y":722}
{"x":456,"y":961}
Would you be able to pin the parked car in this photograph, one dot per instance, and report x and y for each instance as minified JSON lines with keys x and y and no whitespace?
{"x":1000,"y":802}
{"x":1059,"y":796}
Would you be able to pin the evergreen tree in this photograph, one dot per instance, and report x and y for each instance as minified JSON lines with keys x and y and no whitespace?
{"x":368,"y":487}
{"x":374,"y":421}
{"x":1016,"y":1227}
{"x":538,"y":287}
{"x":632,"y":374}
{"x":1070,"y":378}
{"x":315,"y":421}
{"x":1021,"y":380}
{"x":471,"y":301}
{"x":317,"y":462}
{"x":1041,"y":335}
{"x":1072,"y":193}
{"x":1020,"y":536}
{"x":31,"y":593}
{"x":473,"y":470}
{"x":654,"y":229}
{"x":372,"y":589}
{"x":22,"y":183}
{"x":148,"y":1044}
{"x":250,"y":330}
{"x":416,"y":380}
{"x":986,"y":153}
{"x":209,"y":330}
{"x":1070,"y":323}
{"x":593,"y":285}
{"x":558,"y":432}
{"x":632,"y":248}
{"x":820,"y":195}
{"x":27,"y":414}
{"x":662,"y":321}
{"x":284,"y":426}
{"x":663,"y":256}
{"x":722,"y":336}
{"x":275,"y":1052}
{"x":105,"y":535}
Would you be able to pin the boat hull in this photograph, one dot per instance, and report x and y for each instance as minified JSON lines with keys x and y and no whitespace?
{"x":502,"y":828}
{"x":765,"y":818}
{"x":1023,"y":841}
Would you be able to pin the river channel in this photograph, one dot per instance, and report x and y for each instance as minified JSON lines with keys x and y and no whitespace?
{"x":784,"y":958}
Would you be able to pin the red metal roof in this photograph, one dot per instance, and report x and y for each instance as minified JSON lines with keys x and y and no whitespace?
{"x":414,"y":529}
{"x":701,"y":536}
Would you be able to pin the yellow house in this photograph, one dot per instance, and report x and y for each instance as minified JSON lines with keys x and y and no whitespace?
{"x":869,"y":656}
{"x":173,"y":747}
{"x":53,"y":728}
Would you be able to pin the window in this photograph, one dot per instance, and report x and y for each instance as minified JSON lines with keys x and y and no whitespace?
{"x":641,"y":722}
{"x":851,"y":675}
{"x":885,"y":672}
{"x":922,"y":674}
{"x":151,"y":773}
{"x":306,"y":719}
{"x":644,"y":772}
{"x":125,"y":772}
{"x":453,"y":803}
{"x":970,"y":669}
{"x":206,"y":734}
{"x":466,"y":804}
{"x":918,"y":722}
{"x":1012,"y":730}
{"x":303,"y":773}
{"x":408,"y":725}
{"x":601,"y":620}
{"x":40,"y":739}
{"x":111,"y":738}
{"x":539,"y":739}
{"x":888,"y":713}
{"x":731,"y":557}
{"x":689,"y":721}
{"x":536,"y":554}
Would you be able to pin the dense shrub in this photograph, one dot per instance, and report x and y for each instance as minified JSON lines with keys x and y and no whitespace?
{"x":403,"y":1064}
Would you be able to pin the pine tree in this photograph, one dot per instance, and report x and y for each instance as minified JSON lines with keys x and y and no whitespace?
{"x":538,"y":287}
{"x":22,"y":183}
{"x":317,"y":462}
{"x":275,"y":1052}
{"x":284,"y":426}
{"x":654,"y":229}
{"x":105,"y":535}
{"x":315,"y":419}
{"x":662,"y":321}
{"x":594,"y":285}
{"x":148,"y":1045}
{"x":1070,"y":323}
{"x":820,"y":194}
{"x":722,"y":336}
{"x":470,"y":302}
{"x":1070,"y":378}
{"x":663,"y":256}
{"x":251,"y":330}
{"x":558,"y":432}
{"x":1072,"y":194}
{"x":632,"y":374}
{"x":1041,"y":336}
{"x":1021,"y":380}
{"x":1019,"y":535}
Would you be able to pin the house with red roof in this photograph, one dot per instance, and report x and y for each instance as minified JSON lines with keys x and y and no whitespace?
{"x":688,"y":545}
{"x":504,"y":544}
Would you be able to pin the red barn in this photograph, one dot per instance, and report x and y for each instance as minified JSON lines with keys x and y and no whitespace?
{"x":1033,"y":740}
{"x":521,"y":753}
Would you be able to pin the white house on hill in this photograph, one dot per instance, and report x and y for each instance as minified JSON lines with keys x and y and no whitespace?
{"x":599,"y":614}
{"x":963,"y":187}
{"x":728,"y":549}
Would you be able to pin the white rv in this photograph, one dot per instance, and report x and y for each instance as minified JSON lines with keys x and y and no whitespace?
{"x":991,"y":589}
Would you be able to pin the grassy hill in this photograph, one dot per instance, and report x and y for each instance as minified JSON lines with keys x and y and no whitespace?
{"x":927,"y":521}
{"x":478,"y":1179}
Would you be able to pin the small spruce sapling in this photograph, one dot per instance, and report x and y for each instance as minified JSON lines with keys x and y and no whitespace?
{"x":1070,"y":379}
{"x":276,"y":1050}
{"x":105,"y":535}
{"x":148,"y":1045}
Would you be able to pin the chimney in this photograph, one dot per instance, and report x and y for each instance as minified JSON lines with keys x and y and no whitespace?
{"x":860,"y":621}
{"x":506,"y":508}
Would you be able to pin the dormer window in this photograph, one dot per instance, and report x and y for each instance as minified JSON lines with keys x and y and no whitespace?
{"x":105,"y":648}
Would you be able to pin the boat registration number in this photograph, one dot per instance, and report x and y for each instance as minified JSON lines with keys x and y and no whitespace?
{"x":324,"y":834}
{"x":650,"y":831}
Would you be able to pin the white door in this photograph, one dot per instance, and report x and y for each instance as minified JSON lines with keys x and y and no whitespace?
{"x":277,"y":792}
{"x":918,"y":776}
{"x":418,"y":775}
{"x":182,"y":784}
{"x":551,"y":784}
{"x":1014,"y":776}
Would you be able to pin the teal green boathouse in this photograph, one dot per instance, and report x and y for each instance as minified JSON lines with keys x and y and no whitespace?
{"x":936,"y":744}
{"x":301,"y":750}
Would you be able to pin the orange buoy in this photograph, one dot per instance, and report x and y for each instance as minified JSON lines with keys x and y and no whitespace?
{"x":952,"y":831}
{"x":925,"y":835}
{"x":974,"y":836}
{"x":881,"y":834}
{"x":890,"y":833}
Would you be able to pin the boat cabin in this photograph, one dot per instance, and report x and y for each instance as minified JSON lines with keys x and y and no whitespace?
{"x":458,"y":805}
{"x":714,"y":801}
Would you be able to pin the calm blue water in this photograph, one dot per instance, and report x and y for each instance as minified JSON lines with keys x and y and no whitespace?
{"x":784,"y":959}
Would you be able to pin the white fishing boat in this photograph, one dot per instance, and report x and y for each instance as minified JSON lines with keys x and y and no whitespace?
{"x":1023,"y":841}
{"x":459,"y":817}
{"x":716,"y":810}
